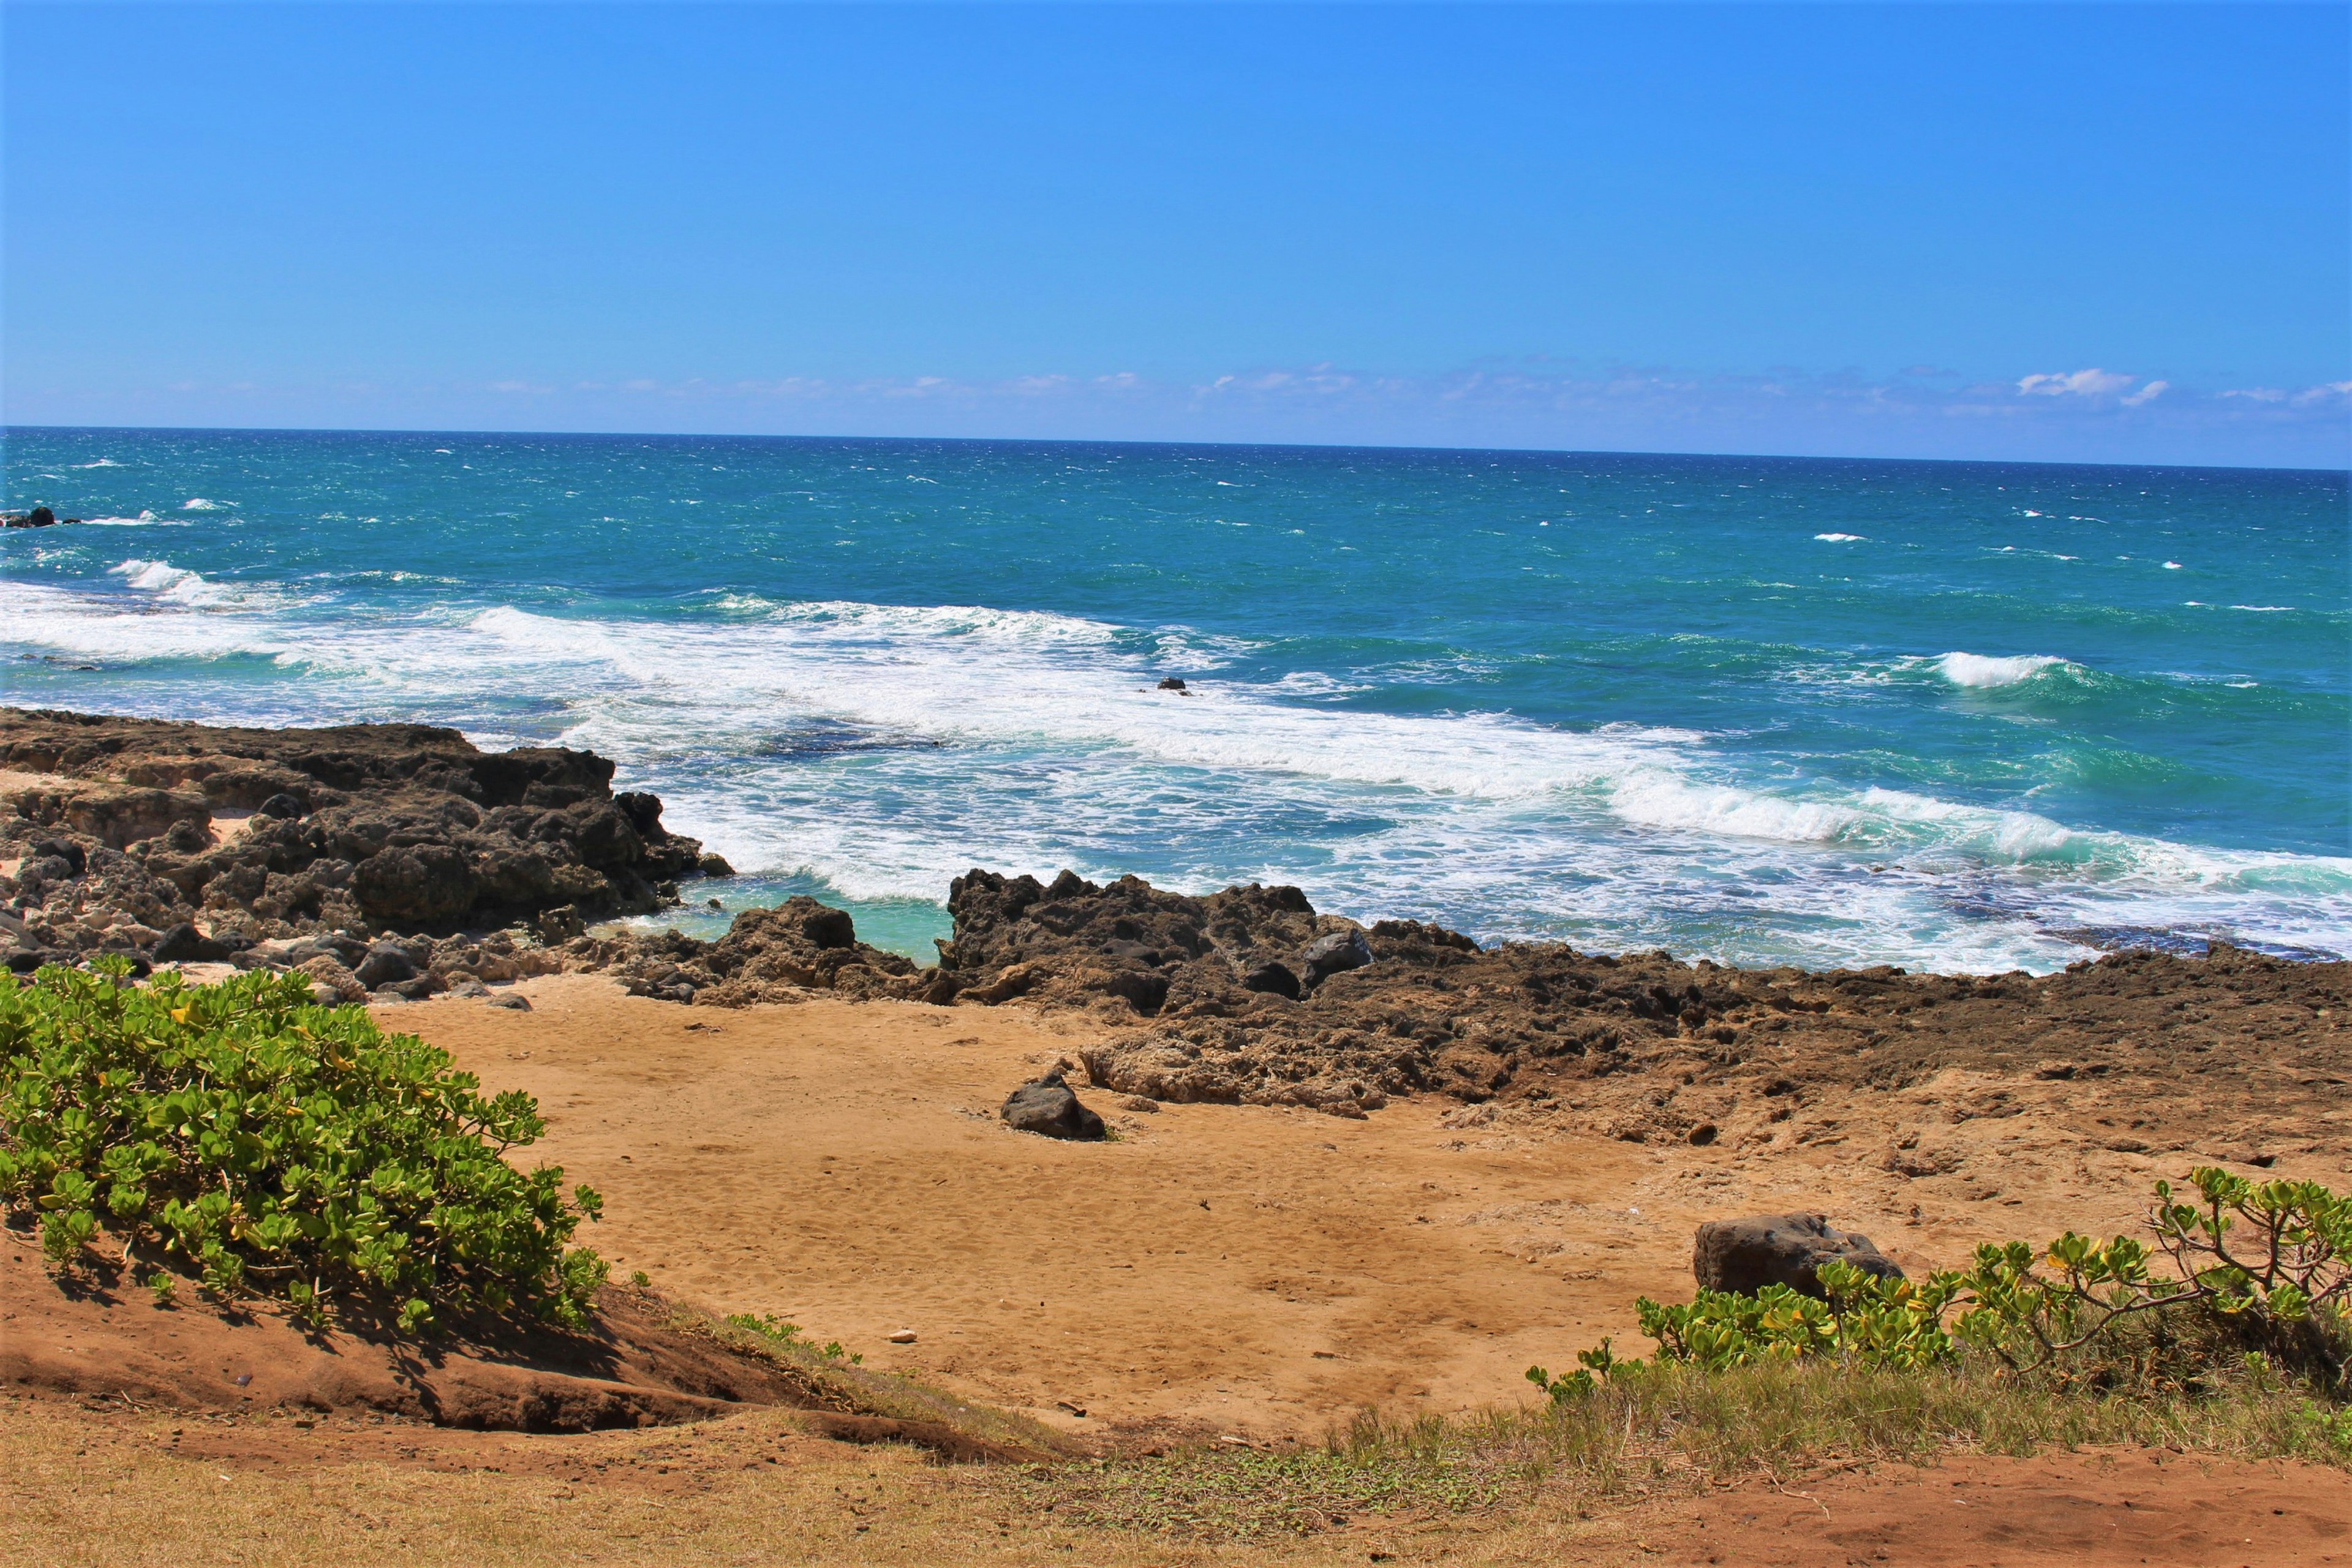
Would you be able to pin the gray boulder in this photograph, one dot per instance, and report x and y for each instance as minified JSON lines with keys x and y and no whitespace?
{"x":184,"y":943}
{"x":386,"y":963}
{"x":1333,"y":955}
{"x":1046,"y":1106}
{"x":1744,"y":1255}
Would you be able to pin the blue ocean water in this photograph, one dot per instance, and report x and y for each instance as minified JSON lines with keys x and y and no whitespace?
{"x":1954,"y":716}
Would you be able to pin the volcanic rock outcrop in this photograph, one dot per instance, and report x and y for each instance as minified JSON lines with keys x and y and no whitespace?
{"x":116,"y":832}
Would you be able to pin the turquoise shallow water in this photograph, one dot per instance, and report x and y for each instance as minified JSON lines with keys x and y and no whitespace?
{"x":1965,"y":716}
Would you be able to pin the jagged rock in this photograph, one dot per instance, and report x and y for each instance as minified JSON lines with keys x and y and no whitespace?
{"x":512,"y":1000}
{"x":1171,"y":683}
{"x":386,"y":963}
{"x":399,"y":824}
{"x":1746,"y":1255}
{"x":1274,"y":979}
{"x":714,"y":864}
{"x":331,"y":981}
{"x":1046,"y":1106}
{"x":184,"y":943}
{"x":1333,"y":955}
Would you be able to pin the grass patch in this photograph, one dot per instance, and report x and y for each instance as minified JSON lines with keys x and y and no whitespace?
{"x":1668,"y":1427}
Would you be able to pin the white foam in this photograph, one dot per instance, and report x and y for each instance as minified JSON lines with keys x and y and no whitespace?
{"x":101,"y":463}
{"x":1981,"y":670}
{"x":144,"y":520}
{"x":180,"y":585}
{"x":198,"y":504}
{"x":2263,"y":609}
{"x":1841,"y":538}
{"x":939,"y":737}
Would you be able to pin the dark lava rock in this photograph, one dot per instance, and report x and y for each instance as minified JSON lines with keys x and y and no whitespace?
{"x":1273,"y":978}
{"x":363,"y":825}
{"x":77,"y":859}
{"x":1746,"y":1255}
{"x":1046,"y":1106}
{"x":714,"y":864}
{"x":184,"y":943}
{"x":39,"y":517}
{"x":384,"y":964}
{"x":1334,"y":954}
{"x":1172,"y":683}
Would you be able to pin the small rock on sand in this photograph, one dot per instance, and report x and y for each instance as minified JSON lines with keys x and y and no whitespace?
{"x":1046,"y":1106}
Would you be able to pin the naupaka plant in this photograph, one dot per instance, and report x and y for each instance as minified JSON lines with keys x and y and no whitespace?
{"x":279,"y":1147}
{"x":2260,"y":1270}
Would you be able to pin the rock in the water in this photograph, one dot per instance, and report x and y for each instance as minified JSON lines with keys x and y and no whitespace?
{"x":1333,"y":955}
{"x":713,"y":864}
{"x":184,"y":943}
{"x":1048,"y":1106}
{"x":1172,"y":683}
{"x":1746,"y":1255}
{"x":1273,"y":978}
{"x":385,"y":964}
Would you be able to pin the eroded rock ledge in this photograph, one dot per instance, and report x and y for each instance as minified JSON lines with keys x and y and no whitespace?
{"x":398,"y":861}
{"x":117,"y":830}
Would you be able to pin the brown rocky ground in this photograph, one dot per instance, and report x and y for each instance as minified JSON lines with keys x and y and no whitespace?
{"x":1393,"y":1185}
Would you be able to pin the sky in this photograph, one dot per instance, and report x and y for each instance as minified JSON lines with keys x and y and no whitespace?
{"x":2096,"y":233}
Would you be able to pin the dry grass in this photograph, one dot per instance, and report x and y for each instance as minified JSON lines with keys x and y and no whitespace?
{"x":1505,"y":1485}
{"x":1662,"y":1428}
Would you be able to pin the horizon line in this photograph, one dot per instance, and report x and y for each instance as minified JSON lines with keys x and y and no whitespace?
{"x":8,"y":429}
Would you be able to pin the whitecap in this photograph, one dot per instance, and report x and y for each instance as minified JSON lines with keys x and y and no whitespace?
{"x":1841,"y":538}
{"x":198,"y":504}
{"x":101,"y":463}
{"x":1983,"y":671}
{"x":2263,"y":609}
{"x":2172,"y":566}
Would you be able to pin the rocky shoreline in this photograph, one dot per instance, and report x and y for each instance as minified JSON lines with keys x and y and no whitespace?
{"x":395,"y":862}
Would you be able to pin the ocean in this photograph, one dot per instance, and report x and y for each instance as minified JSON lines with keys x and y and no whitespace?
{"x":1951,"y":716}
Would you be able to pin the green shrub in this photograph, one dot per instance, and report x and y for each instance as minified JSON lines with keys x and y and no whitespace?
{"x":2259,"y":1272}
{"x":282,"y":1147}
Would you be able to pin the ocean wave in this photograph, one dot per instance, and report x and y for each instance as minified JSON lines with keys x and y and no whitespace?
{"x":144,"y":520}
{"x":178,"y":584}
{"x":1981,"y":672}
{"x":963,"y":735}
{"x":1840,"y":539}
{"x":198,"y":504}
{"x":101,"y":463}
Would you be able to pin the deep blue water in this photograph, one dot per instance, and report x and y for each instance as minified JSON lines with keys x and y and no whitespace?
{"x":1937,"y":714}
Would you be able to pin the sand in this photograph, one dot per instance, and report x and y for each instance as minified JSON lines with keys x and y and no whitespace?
{"x":1256,"y":1270}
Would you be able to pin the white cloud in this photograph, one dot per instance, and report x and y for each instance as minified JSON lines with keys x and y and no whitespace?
{"x":2148,"y":393}
{"x":2257,"y":394}
{"x":2331,"y":390}
{"x":2080,"y":383}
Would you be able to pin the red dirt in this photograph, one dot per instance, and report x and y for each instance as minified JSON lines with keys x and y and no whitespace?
{"x":95,"y":1333}
{"x":2081,"y":1510}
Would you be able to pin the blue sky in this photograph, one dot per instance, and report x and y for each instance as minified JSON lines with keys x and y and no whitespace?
{"x":2106,"y":232}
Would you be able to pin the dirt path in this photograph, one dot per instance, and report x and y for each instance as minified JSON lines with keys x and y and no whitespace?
{"x":1231,"y":1268}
